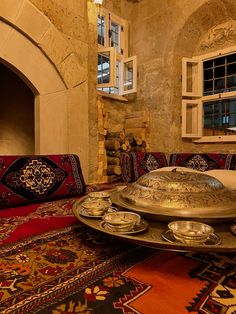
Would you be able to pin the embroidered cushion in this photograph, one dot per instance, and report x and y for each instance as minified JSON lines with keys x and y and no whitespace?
{"x":202,"y":162}
{"x":26,"y":179}
{"x":135,"y":164}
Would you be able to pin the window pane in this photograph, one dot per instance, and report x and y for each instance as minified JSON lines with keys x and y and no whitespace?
{"x":231,"y":69}
{"x":219,"y":61}
{"x":219,"y":85}
{"x":231,"y":82}
{"x":103,"y":68}
{"x":219,"y":71}
{"x":222,"y":71}
{"x":208,"y":87}
{"x":232,"y":106}
{"x":128,"y":76}
{"x":101,"y":30}
{"x":231,"y":58}
{"x":115,"y":36}
{"x":208,"y":64}
{"x":208,"y":74}
{"x":220,"y":117}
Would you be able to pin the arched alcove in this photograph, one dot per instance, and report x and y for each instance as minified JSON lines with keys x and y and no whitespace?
{"x":39,"y":54}
{"x":16,"y":114}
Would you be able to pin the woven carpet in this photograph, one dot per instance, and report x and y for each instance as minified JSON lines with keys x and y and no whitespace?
{"x":77,"y":270}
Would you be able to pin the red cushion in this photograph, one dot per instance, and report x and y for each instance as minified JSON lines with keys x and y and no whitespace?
{"x":27,"y":179}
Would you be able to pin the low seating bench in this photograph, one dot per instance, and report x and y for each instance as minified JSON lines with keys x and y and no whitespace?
{"x":50,"y":262}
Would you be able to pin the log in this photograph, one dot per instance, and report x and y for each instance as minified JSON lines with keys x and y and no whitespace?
{"x":125,"y":141}
{"x":120,"y":135}
{"x":129,"y":148}
{"x":113,"y":169}
{"x":113,"y":160}
{"x":138,"y":140}
{"x":140,"y":132}
{"x":123,"y":147}
{"x":112,"y":144}
{"x":113,"y":153}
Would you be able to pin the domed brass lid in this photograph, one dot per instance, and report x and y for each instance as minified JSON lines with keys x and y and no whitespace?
{"x":168,"y":194}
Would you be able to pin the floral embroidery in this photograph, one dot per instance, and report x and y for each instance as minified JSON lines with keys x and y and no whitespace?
{"x":113,"y":282}
{"x":96,"y":294}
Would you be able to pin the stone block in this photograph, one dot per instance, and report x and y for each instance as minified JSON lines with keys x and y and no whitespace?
{"x":72,"y":72}
{"x":32,"y":21}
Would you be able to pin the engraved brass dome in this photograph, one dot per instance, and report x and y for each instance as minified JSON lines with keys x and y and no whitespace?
{"x":172,"y":194}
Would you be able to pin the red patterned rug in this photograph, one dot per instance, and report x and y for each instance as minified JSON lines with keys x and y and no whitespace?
{"x":77,"y":270}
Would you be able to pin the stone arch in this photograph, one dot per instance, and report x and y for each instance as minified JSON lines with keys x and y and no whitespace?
{"x":207,"y":17}
{"x":43,"y":58}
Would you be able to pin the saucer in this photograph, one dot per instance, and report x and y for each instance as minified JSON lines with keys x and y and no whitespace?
{"x":85,"y":212}
{"x":168,"y":236}
{"x":139,"y":227}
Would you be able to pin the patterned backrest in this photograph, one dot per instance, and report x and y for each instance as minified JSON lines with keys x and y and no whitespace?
{"x":135,"y":164}
{"x":203,"y":161}
{"x":26,"y":179}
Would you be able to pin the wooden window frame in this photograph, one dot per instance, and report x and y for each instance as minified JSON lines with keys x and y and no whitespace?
{"x":112,"y":52}
{"x":196,"y":95}
{"x":134,"y":80}
{"x":122,"y":57}
{"x":109,"y":18}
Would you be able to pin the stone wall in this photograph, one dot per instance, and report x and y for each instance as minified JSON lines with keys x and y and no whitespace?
{"x":162,"y":32}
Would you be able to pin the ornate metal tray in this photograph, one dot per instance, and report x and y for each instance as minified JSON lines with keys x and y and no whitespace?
{"x":153,"y":235}
{"x":169,"y":195}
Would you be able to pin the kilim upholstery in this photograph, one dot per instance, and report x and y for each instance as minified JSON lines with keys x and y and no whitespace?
{"x":135,"y":164}
{"x":203,"y":161}
{"x":27,"y":179}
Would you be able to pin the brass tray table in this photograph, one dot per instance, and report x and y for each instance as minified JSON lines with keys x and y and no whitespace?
{"x":152,"y":237}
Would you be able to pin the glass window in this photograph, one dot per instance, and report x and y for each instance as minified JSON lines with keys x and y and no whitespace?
{"x":128,"y":75}
{"x":219,"y":75}
{"x":103,"y":68}
{"x":101,"y":30}
{"x":211,"y":89}
{"x":115,"y":36}
{"x":219,"y":117}
{"x":112,"y":55}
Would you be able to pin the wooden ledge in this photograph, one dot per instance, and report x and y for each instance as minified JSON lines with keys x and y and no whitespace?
{"x":112,"y":96}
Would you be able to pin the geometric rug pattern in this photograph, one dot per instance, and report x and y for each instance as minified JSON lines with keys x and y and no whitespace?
{"x":78,"y":270}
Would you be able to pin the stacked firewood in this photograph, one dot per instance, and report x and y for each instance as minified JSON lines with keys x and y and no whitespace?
{"x":132,"y":137}
{"x":115,"y":144}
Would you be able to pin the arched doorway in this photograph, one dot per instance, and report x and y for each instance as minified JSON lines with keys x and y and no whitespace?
{"x":16,"y":115}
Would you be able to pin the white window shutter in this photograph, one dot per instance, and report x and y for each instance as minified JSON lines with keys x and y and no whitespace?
{"x":192,"y":118}
{"x":128,"y":81}
{"x":192,"y":77}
